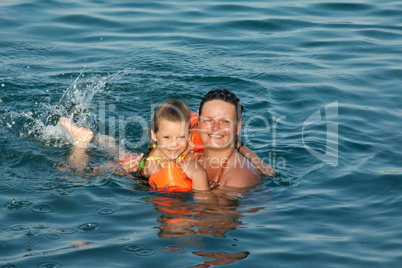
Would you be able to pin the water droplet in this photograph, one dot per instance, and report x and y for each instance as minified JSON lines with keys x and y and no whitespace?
{"x":90,"y":226}
{"x":42,"y":208}
{"x":53,"y":236}
{"x":49,"y":265}
{"x":106,"y":211}
{"x":30,"y":233}
{"x":173,"y":248}
{"x":3,"y":85}
{"x":133,"y":248}
{"x":16,"y":204}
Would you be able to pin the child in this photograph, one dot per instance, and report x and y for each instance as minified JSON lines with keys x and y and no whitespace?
{"x":169,"y":143}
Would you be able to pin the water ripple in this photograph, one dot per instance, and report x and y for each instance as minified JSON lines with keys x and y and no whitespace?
{"x":43,"y":208}
{"x":106,"y":211}
{"x":54,"y":236}
{"x":49,"y":265}
{"x":173,"y":248}
{"x":88,"y":227}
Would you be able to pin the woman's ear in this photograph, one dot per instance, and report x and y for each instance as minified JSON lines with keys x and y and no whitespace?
{"x":239,"y":125}
{"x":153,"y":135}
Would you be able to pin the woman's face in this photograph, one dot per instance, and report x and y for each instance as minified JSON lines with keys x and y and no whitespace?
{"x":218,"y":126}
{"x":171,"y":138}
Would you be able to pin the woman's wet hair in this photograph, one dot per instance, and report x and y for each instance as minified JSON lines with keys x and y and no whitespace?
{"x":223,"y":95}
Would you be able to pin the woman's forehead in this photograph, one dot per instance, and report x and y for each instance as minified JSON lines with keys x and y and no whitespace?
{"x":218,"y":108}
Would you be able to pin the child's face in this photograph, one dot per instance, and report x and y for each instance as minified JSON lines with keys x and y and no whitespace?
{"x":171,"y":138}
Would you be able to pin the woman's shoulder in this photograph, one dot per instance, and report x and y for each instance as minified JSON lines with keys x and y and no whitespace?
{"x":242,"y":173}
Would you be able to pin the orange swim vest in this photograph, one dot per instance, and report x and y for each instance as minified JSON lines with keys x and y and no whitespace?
{"x":195,"y":135}
{"x":171,"y":178}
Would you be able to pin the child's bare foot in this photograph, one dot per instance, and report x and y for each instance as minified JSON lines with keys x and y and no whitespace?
{"x":81,"y":136}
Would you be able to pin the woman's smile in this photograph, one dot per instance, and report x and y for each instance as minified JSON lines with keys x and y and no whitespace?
{"x":218,"y":127}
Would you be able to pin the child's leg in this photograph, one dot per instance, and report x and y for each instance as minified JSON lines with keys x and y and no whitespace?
{"x":81,"y":136}
{"x":78,"y":158}
{"x":110,"y":145}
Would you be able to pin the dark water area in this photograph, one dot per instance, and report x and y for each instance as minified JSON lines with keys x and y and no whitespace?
{"x":320,"y":82}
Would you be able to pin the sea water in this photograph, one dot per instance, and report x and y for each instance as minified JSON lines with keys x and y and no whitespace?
{"x":320,"y":82}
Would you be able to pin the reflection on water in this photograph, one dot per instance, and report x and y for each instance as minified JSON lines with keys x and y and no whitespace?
{"x":221,"y":258}
{"x":210,"y":214}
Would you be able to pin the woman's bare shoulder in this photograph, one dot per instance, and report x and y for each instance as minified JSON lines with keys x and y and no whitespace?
{"x":242,"y":174}
{"x":242,"y":177}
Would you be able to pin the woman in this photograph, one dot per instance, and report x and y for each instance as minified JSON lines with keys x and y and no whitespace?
{"x":220,"y":126}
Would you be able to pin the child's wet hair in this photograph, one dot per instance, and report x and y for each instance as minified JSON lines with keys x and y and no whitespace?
{"x":171,"y":110}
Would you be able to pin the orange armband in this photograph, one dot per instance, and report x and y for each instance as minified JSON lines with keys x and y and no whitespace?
{"x":195,"y":135}
{"x":170,"y":178}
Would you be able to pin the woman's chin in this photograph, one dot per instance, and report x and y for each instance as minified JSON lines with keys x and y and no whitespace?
{"x":215,"y":145}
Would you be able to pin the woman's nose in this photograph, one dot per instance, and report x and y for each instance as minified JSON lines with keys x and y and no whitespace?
{"x":215,"y":125}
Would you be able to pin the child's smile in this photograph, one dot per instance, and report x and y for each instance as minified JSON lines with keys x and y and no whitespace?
{"x":171,"y":138}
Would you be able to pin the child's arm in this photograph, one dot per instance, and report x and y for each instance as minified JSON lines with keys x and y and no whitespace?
{"x":197,"y":174}
{"x":130,"y":163}
{"x":262,"y":167}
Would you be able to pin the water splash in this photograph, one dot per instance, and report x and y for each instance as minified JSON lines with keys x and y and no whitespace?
{"x":75,"y":104}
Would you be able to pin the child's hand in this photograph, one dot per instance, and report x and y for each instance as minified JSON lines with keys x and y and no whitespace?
{"x":130,"y":164}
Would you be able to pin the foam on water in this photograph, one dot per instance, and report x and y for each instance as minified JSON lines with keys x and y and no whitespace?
{"x":43,"y":123}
